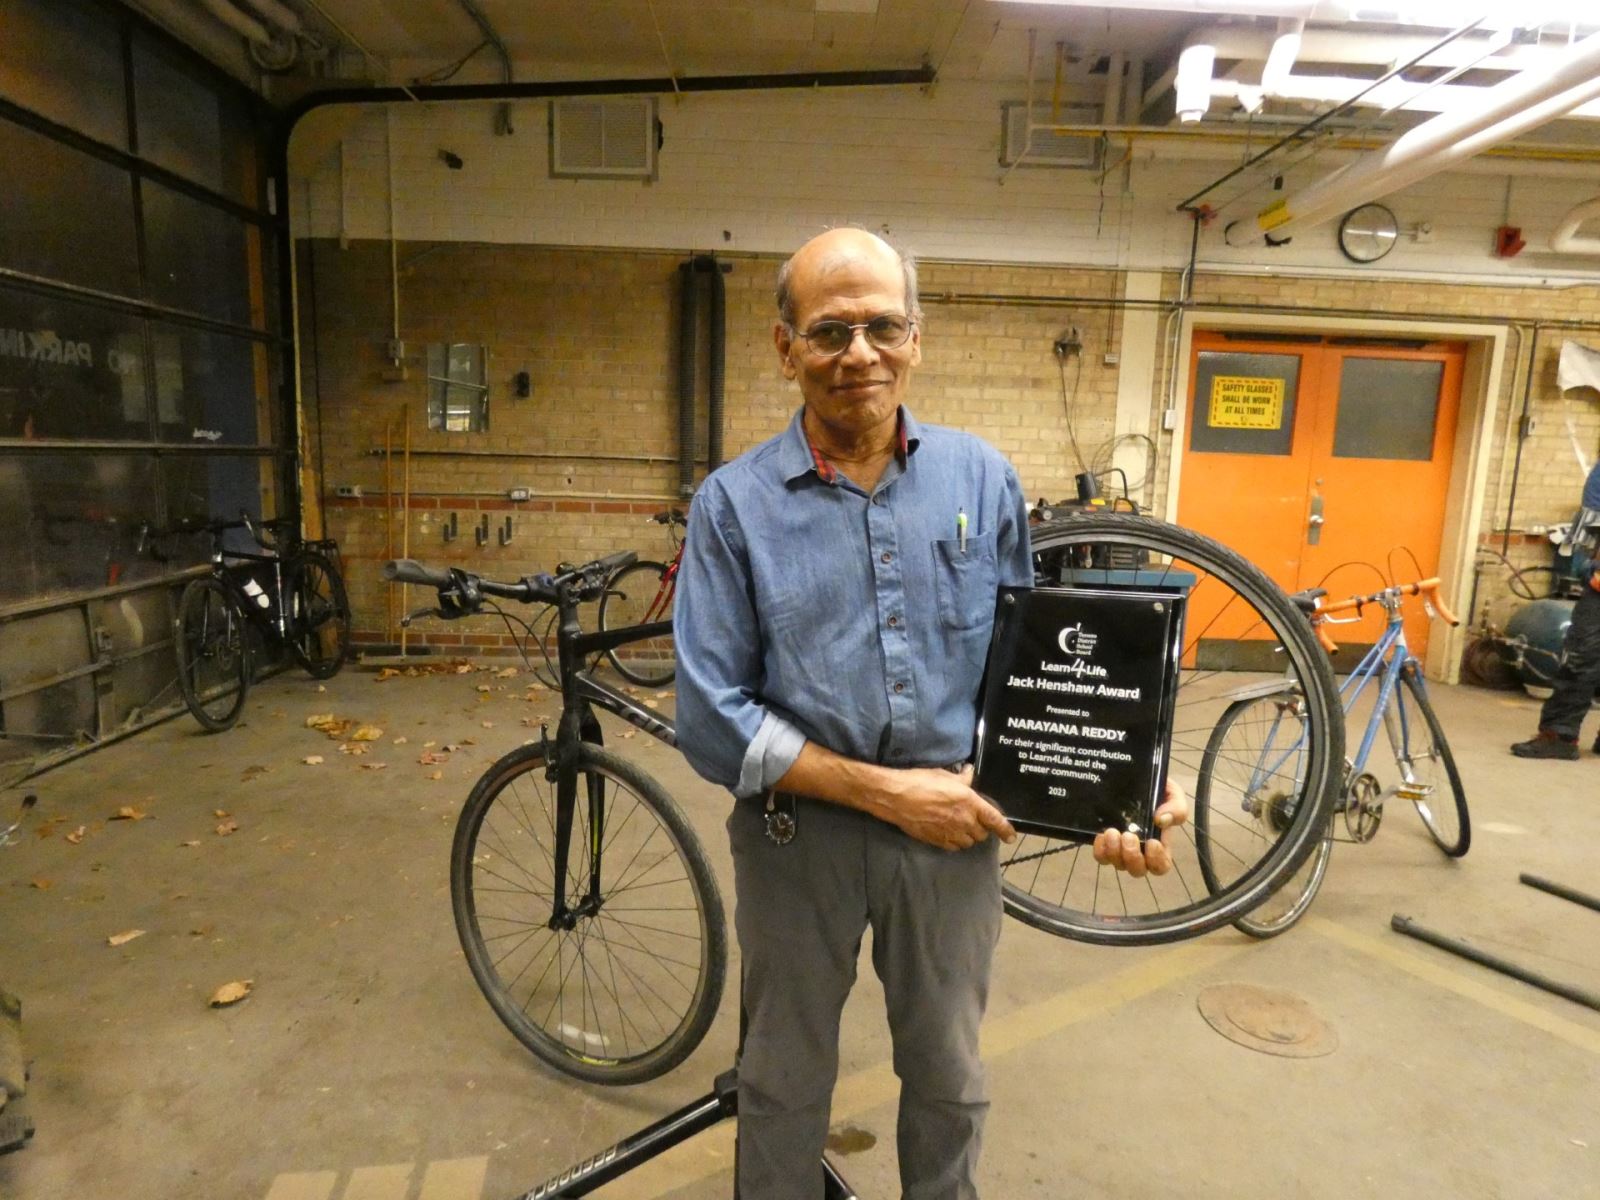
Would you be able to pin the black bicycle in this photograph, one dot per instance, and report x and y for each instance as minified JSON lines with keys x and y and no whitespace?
{"x":291,"y":594}
{"x":583,"y":900}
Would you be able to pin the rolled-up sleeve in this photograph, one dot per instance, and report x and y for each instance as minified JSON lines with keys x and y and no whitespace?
{"x":725,"y":731}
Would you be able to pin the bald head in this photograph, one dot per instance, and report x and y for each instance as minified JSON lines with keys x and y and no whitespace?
{"x":838,"y":249}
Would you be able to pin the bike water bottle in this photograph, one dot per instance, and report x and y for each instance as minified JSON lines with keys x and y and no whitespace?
{"x":253,"y":590}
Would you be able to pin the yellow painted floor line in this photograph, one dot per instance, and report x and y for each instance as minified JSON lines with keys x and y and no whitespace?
{"x":303,"y":1185}
{"x":875,"y":1086}
{"x":454,"y":1179}
{"x":1431,"y":967}
{"x":391,"y":1181}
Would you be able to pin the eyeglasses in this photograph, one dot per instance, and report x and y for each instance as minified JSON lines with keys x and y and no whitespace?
{"x":829,"y":339}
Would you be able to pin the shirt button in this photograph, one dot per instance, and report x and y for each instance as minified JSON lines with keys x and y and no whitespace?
{"x":894,"y":622}
{"x":885,"y":557}
{"x":877,"y":497}
{"x":898,"y":688}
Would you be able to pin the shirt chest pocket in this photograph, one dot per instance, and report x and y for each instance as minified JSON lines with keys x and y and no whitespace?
{"x":966,"y":580}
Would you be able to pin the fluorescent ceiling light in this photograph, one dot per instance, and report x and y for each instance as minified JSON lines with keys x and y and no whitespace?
{"x":847,"y":6}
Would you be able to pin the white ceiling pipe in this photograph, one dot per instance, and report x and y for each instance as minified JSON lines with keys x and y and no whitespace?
{"x":1285,"y":50}
{"x":1133,"y":92}
{"x":1111,"y":109}
{"x":1193,"y":84}
{"x":1565,"y":239}
{"x":1508,"y":110}
{"x":1394,"y":94}
{"x":246,"y":27}
{"x":194,"y":28}
{"x":1253,"y":43}
{"x":277,"y":13}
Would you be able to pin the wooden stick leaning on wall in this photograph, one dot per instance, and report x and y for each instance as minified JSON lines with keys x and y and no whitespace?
{"x":389,"y":597}
{"x":405,"y":514}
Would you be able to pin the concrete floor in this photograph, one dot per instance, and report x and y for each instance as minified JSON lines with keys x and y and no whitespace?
{"x":365,"y":1065}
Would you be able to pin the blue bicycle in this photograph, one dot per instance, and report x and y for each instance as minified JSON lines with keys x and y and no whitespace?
{"x":1253,"y":768}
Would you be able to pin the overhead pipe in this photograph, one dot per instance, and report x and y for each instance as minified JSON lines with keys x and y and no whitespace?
{"x":245,"y":26}
{"x":1196,"y":64}
{"x":1510,"y":109}
{"x":717,"y":371}
{"x":688,"y":328}
{"x":276,"y":13}
{"x":502,"y":120}
{"x":1565,"y":239}
{"x":1111,"y":107}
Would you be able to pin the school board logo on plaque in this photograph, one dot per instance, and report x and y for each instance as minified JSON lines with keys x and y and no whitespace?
{"x":1077,"y":707}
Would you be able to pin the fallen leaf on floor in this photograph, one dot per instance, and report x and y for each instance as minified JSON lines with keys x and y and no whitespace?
{"x":425,"y":745}
{"x":353,"y":748}
{"x":76,"y":835}
{"x":129,"y":813}
{"x":334,"y":727}
{"x":463,"y":668}
{"x":474,"y":741}
{"x":367,"y":733}
{"x":652,"y":704}
{"x":484,"y":687}
{"x":399,"y":741}
{"x":182,"y":845}
{"x":374,"y":766}
{"x":506,"y":673}
{"x":487,"y":724}
{"x":628,"y":733}
{"x":450,"y":747}
{"x":231,"y":993}
{"x":227,"y":827}
{"x":312,"y":760}
{"x":219,"y":812}
{"x":428,"y":758}
{"x":665,"y":695}
{"x":322,"y":687}
{"x":44,"y":885}
{"x":122,"y":939}
{"x":252,"y":773}
{"x":202,"y":931}
{"x":387,"y":673}
{"x":437,"y":775}
{"x":46,"y":828}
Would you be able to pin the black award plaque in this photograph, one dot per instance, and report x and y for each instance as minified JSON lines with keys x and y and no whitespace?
{"x":1077,"y":708}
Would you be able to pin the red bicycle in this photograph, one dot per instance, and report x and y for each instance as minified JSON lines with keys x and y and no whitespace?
{"x":637,"y":595}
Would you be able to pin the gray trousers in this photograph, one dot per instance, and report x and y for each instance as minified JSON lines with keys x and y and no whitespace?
{"x":801,"y":911}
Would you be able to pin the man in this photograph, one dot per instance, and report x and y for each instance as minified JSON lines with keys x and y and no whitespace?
{"x":1561,"y":718}
{"x":832,"y":620}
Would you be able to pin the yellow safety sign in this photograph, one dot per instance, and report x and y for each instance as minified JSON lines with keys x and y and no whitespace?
{"x":1245,"y":402}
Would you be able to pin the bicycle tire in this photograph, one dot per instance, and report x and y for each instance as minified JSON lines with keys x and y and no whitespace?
{"x":213,"y":651}
{"x":636,"y":595}
{"x":1254,"y":757}
{"x":1055,"y":885}
{"x":1455,"y":839}
{"x":319,"y":614}
{"x":602,"y":968}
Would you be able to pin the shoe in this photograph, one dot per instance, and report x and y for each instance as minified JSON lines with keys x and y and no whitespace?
{"x":1546,"y":744}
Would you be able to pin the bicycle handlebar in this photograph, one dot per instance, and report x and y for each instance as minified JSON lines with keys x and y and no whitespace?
{"x":463,"y":592}
{"x":1427,"y":589}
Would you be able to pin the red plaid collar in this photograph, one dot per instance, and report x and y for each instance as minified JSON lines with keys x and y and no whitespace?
{"x":828,"y":473}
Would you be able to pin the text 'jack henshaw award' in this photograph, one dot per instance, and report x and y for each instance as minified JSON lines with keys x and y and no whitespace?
{"x":1077,"y":707}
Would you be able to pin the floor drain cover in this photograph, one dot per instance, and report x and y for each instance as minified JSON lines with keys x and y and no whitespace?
{"x":1268,"y":1020}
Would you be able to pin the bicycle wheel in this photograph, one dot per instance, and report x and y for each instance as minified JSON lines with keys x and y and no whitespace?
{"x":1425,"y":763}
{"x":1241,"y":635}
{"x":622,"y":987}
{"x":319,"y":614}
{"x":213,"y":654}
{"x":1251,"y":775}
{"x":637,"y":595}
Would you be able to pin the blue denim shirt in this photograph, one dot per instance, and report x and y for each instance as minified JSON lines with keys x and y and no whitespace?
{"x":809,"y":609}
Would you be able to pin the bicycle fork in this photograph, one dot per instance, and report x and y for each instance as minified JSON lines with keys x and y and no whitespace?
{"x":564,"y":916}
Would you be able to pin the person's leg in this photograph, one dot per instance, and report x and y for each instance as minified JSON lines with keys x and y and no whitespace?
{"x":1561,"y":717}
{"x":801,"y":910}
{"x":935,"y":920}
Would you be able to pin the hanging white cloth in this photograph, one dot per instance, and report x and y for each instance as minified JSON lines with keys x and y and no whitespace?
{"x":1579,"y":367}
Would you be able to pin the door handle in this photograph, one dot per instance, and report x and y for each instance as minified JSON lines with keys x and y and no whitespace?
{"x":1314,"y":522}
{"x":1316,"y":518}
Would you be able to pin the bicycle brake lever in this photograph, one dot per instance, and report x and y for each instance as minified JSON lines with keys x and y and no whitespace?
{"x":430,"y":611}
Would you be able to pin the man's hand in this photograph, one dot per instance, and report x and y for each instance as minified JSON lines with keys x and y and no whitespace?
{"x":1122,"y":851}
{"x":941,"y":809}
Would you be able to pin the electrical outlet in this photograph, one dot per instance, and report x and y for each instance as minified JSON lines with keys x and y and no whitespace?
{"x":518,"y":493}
{"x":1111,"y":359}
{"x":348,"y":491}
{"x":1169,"y":419}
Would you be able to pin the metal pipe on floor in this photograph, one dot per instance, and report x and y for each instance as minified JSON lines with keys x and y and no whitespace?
{"x":1461,"y":949}
{"x":1561,"y":890}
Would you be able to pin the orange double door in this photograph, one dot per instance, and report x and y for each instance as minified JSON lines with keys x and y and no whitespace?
{"x":1324,"y":461}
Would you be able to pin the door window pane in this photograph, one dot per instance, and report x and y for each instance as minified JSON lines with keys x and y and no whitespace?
{"x":70,"y":370}
{"x":203,"y":486}
{"x":70,"y":522}
{"x":66,"y":216}
{"x":64,"y":61}
{"x":188,"y":126}
{"x":213,"y":389}
{"x":1387,"y":408}
{"x":1244,"y":403}
{"x":199,"y":257}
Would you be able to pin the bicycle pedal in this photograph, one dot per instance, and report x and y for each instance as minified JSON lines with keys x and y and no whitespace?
{"x":1415,"y":792}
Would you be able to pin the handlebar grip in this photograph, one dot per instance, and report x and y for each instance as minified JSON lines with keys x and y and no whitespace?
{"x":1429,"y":590}
{"x":409,"y":570}
{"x":615,"y":562}
{"x":1328,"y":644}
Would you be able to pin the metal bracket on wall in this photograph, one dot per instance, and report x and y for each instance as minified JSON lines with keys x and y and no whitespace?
{"x":481,"y":533}
{"x":449,"y":528}
{"x":505,"y":532}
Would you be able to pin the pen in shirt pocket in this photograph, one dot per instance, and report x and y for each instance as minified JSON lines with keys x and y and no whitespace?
{"x":961,"y":530}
